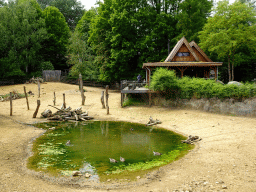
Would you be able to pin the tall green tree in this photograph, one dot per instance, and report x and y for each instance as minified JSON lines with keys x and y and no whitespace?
{"x":80,"y":53}
{"x":55,"y":47}
{"x":81,"y":58}
{"x":126,"y":33}
{"x":99,"y":38}
{"x":231,"y":26}
{"x":72,"y":10}
{"x":192,"y":17}
{"x":22,"y":32}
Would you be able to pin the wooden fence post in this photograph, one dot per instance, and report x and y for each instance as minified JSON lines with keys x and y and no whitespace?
{"x":38,"y":83}
{"x":26,"y":97}
{"x":37,"y":108}
{"x":122,"y":99}
{"x":64,"y":103}
{"x":54,"y":98}
{"x":102,"y":100}
{"x":107,"y":99}
{"x":81,"y":88}
{"x":10,"y":103}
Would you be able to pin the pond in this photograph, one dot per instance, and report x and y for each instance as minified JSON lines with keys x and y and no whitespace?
{"x":88,"y":146}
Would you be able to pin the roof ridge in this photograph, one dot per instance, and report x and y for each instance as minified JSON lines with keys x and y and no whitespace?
{"x":193,"y":43}
{"x":176,"y":48}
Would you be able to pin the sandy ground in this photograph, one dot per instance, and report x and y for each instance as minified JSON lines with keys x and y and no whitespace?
{"x":225,"y":160}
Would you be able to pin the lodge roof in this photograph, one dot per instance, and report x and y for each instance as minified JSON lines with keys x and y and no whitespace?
{"x":195,"y":56}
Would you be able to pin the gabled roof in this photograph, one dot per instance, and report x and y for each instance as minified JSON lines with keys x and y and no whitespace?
{"x":177,"y":47}
{"x":193,"y":44}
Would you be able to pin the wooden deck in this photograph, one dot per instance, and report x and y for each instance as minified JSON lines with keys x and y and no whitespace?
{"x":133,"y":87}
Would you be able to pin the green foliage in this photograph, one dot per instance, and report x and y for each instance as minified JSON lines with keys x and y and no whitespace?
{"x":125,"y":34}
{"x":22,"y":32}
{"x":201,"y":88}
{"x":81,"y":58}
{"x":192,"y":17}
{"x":47,"y":65}
{"x":186,"y":88}
{"x":133,"y":100}
{"x":72,"y":10}
{"x":231,"y":27}
{"x":56,"y":46}
{"x":165,"y":81}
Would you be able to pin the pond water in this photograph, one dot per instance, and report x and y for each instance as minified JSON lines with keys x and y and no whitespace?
{"x":93,"y":143}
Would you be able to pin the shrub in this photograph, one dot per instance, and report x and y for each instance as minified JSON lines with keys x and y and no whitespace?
{"x":187,"y":88}
{"x":165,"y":81}
{"x":47,"y":65}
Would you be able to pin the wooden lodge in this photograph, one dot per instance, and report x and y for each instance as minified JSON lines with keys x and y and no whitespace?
{"x":186,"y":58}
{"x":189,"y":59}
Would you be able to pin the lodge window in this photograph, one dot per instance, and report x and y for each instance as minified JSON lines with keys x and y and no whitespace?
{"x":183,"y":54}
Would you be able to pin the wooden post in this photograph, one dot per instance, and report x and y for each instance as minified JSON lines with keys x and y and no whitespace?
{"x":149,"y":98}
{"x":26,"y":96}
{"x":64,"y":103}
{"x":37,"y":108}
{"x":54,"y":98}
{"x":107,"y":99}
{"x":38,"y":83}
{"x":10,"y":103}
{"x":102,"y":100}
{"x":81,"y":88}
{"x":122,"y":99}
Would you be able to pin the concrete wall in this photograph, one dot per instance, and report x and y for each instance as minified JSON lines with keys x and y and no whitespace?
{"x":245,"y":107}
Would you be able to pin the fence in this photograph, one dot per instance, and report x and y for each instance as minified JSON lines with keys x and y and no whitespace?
{"x":132,"y":84}
{"x":12,"y":81}
{"x":52,"y":75}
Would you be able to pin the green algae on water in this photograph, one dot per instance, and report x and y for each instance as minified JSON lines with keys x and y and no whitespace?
{"x":93,"y":143}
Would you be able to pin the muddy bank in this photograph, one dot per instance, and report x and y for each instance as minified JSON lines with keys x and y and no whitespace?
{"x":223,"y":161}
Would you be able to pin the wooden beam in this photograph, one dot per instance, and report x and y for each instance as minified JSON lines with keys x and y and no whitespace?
{"x":182,"y":69}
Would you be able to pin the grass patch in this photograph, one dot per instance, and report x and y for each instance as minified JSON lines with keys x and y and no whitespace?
{"x":134,"y":100}
{"x":15,"y":95}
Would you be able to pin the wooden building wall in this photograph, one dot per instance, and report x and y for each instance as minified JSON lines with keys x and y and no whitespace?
{"x":182,"y":58}
{"x":199,"y":55}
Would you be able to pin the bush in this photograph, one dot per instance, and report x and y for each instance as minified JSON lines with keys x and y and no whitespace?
{"x":47,"y":65}
{"x":165,"y":81}
{"x":186,"y":88}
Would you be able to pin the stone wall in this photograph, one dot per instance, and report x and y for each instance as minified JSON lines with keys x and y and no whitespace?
{"x":244,"y":107}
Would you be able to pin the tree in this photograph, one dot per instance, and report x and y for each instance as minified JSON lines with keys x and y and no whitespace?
{"x":22,"y":32}
{"x":99,"y":37}
{"x":55,"y":47}
{"x":126,"y":33}
{"x":231,"y":26}
{"x":80,"y":53}
{"x":81,"y":58}
{"x":72,"y":10}
{"x":192,"y":17}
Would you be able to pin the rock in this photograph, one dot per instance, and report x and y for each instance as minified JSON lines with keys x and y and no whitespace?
{"x":47,"y":113}
{"x":77,"y":173}
{"x":138,"y":177}
{"x":234,"y":83}
{"x":108,"y":180}
{"x":87,"y":175}
{"x":218,"y":81}
{"x":224,"y":187}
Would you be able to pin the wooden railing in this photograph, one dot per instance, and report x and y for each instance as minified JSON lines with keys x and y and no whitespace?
{"x":132,"y":84}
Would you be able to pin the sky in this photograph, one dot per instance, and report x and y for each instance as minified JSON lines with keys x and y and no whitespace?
{"x":90,"y":3}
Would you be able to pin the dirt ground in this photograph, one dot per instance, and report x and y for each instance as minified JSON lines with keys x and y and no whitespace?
{"x":225,"y":159}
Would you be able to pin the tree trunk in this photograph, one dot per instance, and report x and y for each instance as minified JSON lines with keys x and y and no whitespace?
{"x":233,"y":77}
{"x":229,"y":74}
